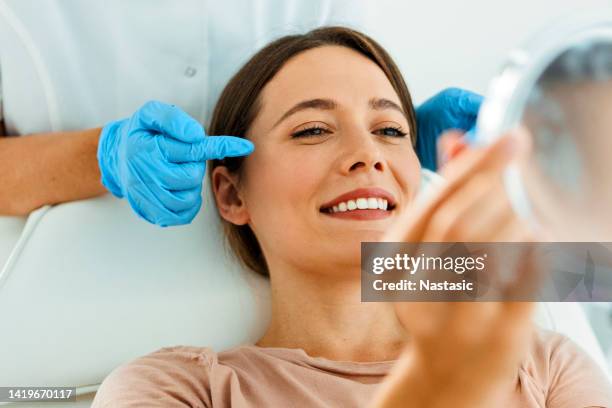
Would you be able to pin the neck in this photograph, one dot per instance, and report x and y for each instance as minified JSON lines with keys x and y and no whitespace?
{"x":323,"y":315}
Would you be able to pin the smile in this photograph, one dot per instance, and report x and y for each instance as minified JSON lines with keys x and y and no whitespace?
{"x":361,"y":204}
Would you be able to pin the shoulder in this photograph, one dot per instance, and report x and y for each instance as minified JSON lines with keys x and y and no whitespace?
{"x":548,"y":355}
{"x":564,"y":373}
{"x":548,"y":344}
{"x":167,"y":377}
{"x":554,"y":351}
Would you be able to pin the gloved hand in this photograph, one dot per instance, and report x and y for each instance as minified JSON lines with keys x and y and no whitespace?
{"x":452,"y":108}
{"x":157,"y":160}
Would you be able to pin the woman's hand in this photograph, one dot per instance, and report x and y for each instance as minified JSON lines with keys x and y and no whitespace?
{"x":462,"y":354}
{"x":473,"y":205}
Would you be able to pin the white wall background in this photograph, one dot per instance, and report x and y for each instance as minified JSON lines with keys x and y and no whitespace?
{"x":441,"y":43}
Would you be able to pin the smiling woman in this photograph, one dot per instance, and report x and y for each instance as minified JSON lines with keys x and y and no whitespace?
{"x":334,"y":165}
{"x":305,"y":110}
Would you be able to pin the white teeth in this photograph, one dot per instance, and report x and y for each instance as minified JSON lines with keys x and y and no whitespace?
{"x":371,"y":203}
{"x":362,"y":203}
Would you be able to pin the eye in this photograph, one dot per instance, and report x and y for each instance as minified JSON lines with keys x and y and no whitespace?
{"x":311,"y":131}
{"x":390,"y":131}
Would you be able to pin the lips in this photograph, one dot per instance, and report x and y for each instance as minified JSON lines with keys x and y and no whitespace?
{"x":356,"y":199}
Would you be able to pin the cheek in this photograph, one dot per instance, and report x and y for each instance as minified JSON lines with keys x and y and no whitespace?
{"x":280,"y":190}
{"x":283,"y":175}
{"x":406,"y":168}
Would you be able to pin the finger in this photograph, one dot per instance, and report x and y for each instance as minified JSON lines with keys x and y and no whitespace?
{"x":412,"y":225}
{"x":210,"y":148}
{"x":179,"y":200}
{"x":188,"y":215}
{"x":183,"y":176}
{"x":493,"y":157}
{"x":149,"y":206}
{"x":219,"y":147}
{"x":174,"y":150}
{"x":480,"y":222}
{"x":170,"y":121}
{"x":180,"y":218}
{"x":512,"y":230}
{"x":449,"y":145}
{"x":139,"y":197}
{"x":455,"y":218}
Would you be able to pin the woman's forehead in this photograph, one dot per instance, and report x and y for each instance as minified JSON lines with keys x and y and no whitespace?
{"x":332,"y":73}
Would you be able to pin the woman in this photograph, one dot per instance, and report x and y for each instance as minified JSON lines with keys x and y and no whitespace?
{"x":334,"y":165}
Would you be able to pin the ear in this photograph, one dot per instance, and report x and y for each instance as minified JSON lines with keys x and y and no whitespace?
{"x":232,"y":207}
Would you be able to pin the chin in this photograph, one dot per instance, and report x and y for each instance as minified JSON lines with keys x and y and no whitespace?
{"x":366,"y":235}
{"x":351,"y":248}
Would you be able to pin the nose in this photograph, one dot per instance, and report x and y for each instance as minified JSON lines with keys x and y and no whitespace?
{"x":362,"y":153}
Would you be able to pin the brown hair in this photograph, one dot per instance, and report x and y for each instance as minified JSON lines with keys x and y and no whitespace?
{"x":239,"y":104}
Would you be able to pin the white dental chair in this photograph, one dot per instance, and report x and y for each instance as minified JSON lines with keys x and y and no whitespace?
{"x":89,"y":286}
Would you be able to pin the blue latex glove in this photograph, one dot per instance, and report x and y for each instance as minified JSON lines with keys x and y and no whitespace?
{"x":157,"y":160}
{"x":452,"y":108}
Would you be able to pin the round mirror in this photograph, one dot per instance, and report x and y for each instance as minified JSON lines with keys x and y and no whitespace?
{"x":558,"y":88}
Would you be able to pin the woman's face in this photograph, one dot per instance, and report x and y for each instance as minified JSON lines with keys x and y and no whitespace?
{"x":330,"y":133}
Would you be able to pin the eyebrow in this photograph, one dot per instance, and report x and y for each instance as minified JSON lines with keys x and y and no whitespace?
{"x":382,"y":104}
{"x":329,"y":104}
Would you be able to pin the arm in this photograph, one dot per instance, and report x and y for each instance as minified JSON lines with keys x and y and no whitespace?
{"x":463,"y":354}
{"x":48,"y":169}
{"x":155,"y":159}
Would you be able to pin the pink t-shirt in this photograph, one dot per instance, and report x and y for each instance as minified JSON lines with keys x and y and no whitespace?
{"x":555,"y":374}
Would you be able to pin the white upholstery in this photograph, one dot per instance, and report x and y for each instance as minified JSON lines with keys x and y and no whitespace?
{"x":10,"y":230}
{"x":90,"y":286}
